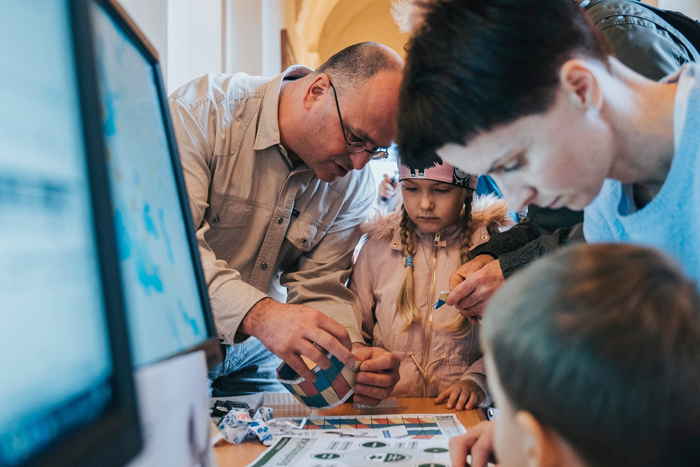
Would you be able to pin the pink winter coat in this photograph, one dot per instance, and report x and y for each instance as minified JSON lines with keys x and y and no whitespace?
{"x":432,"y":359}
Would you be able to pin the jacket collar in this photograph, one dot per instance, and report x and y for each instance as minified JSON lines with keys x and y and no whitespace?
{"x":448,"y":233}
{"x":268,"y":133}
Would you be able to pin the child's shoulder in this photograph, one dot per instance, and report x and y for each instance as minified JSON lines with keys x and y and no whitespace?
{"x":381,"y":228}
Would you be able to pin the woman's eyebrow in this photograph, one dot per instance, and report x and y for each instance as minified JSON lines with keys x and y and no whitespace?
{"x":499,"y":161}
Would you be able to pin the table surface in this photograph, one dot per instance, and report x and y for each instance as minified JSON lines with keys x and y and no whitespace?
{"x":240,"y":455}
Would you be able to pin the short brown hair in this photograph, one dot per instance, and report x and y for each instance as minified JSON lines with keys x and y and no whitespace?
{"x":474,"y":64}
{"x":601,"y":343}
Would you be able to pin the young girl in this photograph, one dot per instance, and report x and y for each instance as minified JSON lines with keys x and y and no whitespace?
{"x":400,"y":272}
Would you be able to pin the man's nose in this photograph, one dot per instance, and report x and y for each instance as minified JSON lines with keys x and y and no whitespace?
{"x":359,"y":160}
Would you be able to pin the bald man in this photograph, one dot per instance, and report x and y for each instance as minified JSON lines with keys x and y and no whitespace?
{"x":275,"y":174}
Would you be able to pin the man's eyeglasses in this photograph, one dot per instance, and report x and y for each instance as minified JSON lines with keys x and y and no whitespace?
{"x":356,"y":147}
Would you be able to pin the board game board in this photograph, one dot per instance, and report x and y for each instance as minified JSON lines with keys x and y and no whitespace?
{"x":421,"y":426}
{"x":345,"y":452}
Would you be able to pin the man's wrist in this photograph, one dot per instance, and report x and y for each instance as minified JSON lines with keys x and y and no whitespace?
{"x":252,"y":316}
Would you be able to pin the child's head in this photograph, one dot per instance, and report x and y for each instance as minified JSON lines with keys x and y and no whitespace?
{"x":433,"y":199}
{"x":594,"y":353}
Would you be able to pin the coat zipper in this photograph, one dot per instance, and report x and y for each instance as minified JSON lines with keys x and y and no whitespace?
{"x":429,"y":327}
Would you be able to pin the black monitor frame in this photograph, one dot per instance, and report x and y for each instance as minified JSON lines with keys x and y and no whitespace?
{"x":114,"y":437}
{"x":211,"y":345}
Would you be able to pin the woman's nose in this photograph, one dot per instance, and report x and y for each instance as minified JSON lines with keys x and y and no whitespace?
{"x":520,"y":198}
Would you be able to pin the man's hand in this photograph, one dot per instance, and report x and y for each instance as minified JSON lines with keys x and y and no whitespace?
{"x":467,"y":269}
{"x":378,"y":374}
{"x":289,"y":331}
{"x":478,"y":442}
{"x":473,"y":284}
{"x":463,"y":395}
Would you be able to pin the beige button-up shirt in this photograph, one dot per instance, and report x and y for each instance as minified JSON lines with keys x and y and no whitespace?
{"x":263,"y":226}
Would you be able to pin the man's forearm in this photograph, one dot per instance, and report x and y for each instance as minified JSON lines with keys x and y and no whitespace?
{"x":508,"y":241}
{"x":545,"y":244}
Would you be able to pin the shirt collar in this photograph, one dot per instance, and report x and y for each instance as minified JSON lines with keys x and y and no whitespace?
{"x":268,"y":133}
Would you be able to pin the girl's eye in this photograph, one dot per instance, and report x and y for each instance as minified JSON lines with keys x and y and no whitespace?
{"x":410,"y":188}
{"x":441,"y":191}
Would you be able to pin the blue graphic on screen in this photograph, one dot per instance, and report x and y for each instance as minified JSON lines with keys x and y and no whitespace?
{"x":163,"y":303}
{"x":55,"y":360}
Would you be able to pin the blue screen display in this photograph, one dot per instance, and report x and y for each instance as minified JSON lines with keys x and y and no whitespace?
{"x":164,"y":307}
{"x":54,"y":343}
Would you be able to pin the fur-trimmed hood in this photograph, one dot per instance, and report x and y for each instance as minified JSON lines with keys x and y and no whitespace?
{"x":488,"y":211}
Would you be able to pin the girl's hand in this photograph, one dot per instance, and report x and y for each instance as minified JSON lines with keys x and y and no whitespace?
{"x":463,"y":395}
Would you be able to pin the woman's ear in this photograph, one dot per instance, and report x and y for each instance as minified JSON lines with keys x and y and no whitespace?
{"x":578,"y":80}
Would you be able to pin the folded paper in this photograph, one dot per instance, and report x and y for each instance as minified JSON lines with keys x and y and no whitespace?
{"x":332,"y":387}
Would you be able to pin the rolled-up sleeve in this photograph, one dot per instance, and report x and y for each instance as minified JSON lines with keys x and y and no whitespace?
{"x":320,"y":278}
{"x":231,"y":298}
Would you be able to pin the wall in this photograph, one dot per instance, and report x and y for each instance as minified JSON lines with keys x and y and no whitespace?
{"x":353,"y":21}
{"x":253,"y":36}
{"x":188,"y":35}
{"x":195,"y":40}
{"x":273,"y":14}
{"x":689,"y":7}
{"x":319,"y":28}
{"x":194,"y":37}
{"x":152,"y":18}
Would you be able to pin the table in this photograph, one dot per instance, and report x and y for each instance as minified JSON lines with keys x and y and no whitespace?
{"x":240,"y":455}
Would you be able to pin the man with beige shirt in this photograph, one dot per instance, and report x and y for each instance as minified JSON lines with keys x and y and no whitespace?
{"x":275,"y":176}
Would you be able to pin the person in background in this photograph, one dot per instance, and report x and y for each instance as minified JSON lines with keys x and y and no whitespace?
{"x":388,"y":189}
{"x":276,"y":183}
{"x":593,"y":359}
{"x":401,"y":271}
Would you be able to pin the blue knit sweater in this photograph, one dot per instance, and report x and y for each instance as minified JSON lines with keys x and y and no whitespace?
{"x":671,"y":221}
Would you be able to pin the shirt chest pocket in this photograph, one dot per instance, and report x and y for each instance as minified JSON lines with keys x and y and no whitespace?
{"x":305,"y":235}
{"x":227,"y":218}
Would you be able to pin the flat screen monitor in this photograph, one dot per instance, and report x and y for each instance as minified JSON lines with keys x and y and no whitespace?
{"x":166,"y":297}
{"x":66,"y":388}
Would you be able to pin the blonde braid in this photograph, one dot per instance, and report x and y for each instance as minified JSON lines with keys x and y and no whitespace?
{"x":461,"y":327}
{"x":406,"y":303}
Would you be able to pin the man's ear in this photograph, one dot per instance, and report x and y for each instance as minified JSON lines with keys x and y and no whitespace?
{"x":317,"y":91}
{"x":540,"y":446}
{"x":576,"y":78}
